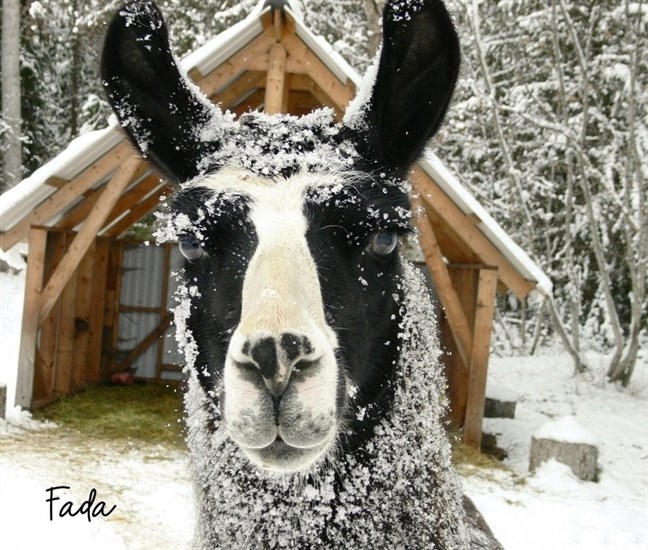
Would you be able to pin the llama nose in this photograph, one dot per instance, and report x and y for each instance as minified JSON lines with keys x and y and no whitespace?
{"x":276,"y":357}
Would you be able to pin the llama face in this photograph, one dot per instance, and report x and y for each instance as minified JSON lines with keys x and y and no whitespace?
{"x":289,"y":226}
{"x":305,"y":299}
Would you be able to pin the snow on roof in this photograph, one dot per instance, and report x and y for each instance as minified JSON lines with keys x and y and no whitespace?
{"x":449,"y":183}
{"x":18,"y":202}
{"x":209,"y":56}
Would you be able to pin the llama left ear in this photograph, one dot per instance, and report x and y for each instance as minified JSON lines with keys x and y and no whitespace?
{"x":165,"y":116}
{"x":417,"y":72}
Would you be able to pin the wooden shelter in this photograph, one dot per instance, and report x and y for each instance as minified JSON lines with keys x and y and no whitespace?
{"x":75,"y":211}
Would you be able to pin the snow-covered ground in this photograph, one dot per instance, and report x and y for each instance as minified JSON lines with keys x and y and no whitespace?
{"x":150,"y":487}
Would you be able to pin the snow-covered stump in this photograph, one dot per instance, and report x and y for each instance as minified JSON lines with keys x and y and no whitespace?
{"x":567,"y":442}
{"x":500,"y":402}
{"x":3,"y":400}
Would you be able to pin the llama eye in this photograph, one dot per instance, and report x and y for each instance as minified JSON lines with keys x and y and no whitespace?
{"x":383,"y":243}
{"x":191,"y":248}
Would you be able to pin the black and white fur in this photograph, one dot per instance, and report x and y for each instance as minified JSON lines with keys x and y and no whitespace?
{"x":314,"y":396}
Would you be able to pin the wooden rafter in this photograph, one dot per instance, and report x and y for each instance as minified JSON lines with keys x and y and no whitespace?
{"x":455,"y":314}
{"x":84,"y":238}
{"x":253,"y":57}
{"x":434,"y":199}
{"x":301,"y":60}
{"x":247,"y":83}
{"x":68,"y":193}
{"x":136,"y":213}
{"x":79,"y":212}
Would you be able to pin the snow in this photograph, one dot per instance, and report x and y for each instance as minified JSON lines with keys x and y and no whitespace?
{"x":501,"y":393}
{"x":150,"y":485}
{"x":567,"y":430}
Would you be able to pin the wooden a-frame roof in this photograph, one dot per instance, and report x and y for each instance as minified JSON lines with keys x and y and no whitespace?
{"x":279,"y":65}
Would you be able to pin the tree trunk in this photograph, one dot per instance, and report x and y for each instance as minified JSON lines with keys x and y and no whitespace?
{"x":11,"y":146}
{"x":374,"y":33}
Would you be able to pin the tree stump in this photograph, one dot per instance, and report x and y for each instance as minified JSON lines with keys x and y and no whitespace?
{"x":500,"y":402}
{"x":567,"y":442}
{"x":3,"y":400}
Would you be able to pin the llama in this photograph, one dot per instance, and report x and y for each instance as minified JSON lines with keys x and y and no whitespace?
{"x":314,"y":395}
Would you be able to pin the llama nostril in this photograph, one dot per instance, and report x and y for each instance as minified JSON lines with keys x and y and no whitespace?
{"x":264,"y":354}
{"x":295,"y":345}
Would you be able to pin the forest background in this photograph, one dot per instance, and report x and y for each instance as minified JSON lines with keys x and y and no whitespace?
{"x":548,"y":129}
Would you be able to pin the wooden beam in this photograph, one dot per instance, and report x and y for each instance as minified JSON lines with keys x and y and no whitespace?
{"x":64,"y":271}
{"x":55,"y":181}
{"x":65,"y":337}
{"x":434,"y":198}
{"x":275,"y":82}
{"x":45,"y":361}
{"x":145,"y":344}
{"x":247,"y":83}
{"x":29,"y":329}
{"x":301,"y":60}
{"x":483,"y":326}
{"x":62,"y":197}
{"x":457,"y":320}
{"x":253,"y":57}
{"x":96,"y":320}
{"x":304,"y":83}
{"x":79,"y":212}
{"x":450,"y":242}
{"x":136,"y":213}
{"x":277,"y":24}
{"x":82,"y":314}
{"x":145,"y":189}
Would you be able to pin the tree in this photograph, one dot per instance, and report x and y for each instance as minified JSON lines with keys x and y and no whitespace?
{"x":11,"y":119}
{"x":553,"y":101}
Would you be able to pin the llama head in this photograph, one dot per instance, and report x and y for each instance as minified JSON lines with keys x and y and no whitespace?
{"x":289,"y":227}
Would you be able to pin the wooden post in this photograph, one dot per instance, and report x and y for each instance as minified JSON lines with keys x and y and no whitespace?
{"x":482,"y":329}
{"x":96,"y":320}
{"x":275,"y":88}
{"x":66,"y":268}
{"x":82,"y":313}
{"x":65,"y":337}
{"x":3,"y":400}
{"x":29,"y":330}
{"x":464,"y":282}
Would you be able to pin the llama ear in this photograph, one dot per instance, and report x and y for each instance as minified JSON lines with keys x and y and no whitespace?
{"x":161,"y":112}
{"x":417,"y":72}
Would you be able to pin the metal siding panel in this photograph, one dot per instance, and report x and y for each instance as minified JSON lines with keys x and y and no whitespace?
{"x":142,"y":276}
{"x":133,"y":328}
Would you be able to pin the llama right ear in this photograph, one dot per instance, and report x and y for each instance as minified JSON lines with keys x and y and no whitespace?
{"x":417,"y":72}
{"x":161,"y":112}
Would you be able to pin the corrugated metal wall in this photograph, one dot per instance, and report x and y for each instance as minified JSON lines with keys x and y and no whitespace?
{"x":147,"y":290}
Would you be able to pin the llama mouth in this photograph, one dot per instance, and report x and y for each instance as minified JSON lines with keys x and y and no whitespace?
{"x":279,"y":456}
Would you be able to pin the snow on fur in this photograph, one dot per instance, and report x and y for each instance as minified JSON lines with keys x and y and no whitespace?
{"x":398,"y":491}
